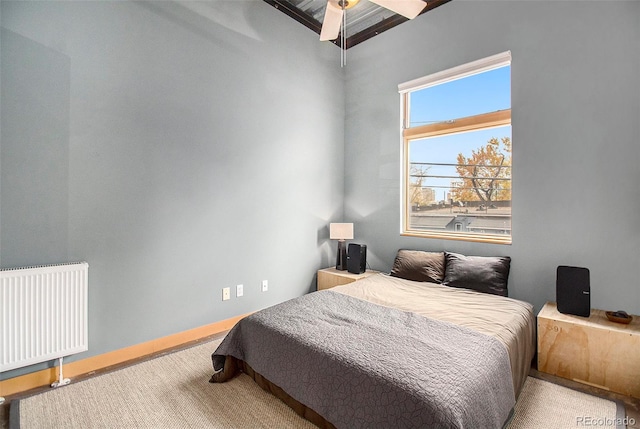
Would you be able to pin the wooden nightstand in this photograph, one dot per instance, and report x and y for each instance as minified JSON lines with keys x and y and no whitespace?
{"x":330,"y":277}
{"x":590,"y":350}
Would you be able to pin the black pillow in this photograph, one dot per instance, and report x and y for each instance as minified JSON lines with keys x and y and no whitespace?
{"x":419,"y":266}
{"x":481,"y":273}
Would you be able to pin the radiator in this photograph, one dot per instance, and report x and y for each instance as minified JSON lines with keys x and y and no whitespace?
{"x":43,"y":313}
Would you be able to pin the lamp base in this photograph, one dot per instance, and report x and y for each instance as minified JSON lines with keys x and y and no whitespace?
{"x":341,"y":259}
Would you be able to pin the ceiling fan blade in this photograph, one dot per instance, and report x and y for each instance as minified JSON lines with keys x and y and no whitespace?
{"x":407,"y":8}
{"x":331,"y":23}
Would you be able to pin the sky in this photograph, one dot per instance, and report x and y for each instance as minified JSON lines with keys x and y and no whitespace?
{"x":481,"y":93}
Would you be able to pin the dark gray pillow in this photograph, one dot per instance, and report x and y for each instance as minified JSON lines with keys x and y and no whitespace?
{"x":481,"y":273}
{"x":419,"y":266}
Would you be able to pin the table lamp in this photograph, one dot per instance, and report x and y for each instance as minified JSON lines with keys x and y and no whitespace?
{"x":341,"y":232}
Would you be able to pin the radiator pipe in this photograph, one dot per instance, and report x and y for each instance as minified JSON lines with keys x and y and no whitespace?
{"x":61,"y":380}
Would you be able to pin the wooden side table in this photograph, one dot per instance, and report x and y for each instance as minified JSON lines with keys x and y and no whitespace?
{"x":330,"y":277}
{"x":590,"y":350}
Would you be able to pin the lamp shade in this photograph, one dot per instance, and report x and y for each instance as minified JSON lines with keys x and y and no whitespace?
{"x":341,"y":231}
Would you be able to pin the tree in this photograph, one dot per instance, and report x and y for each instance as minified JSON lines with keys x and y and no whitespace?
{"x":417,"y":195}
{"x":486,"y":174}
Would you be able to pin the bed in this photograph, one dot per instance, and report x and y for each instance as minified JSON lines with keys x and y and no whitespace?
{"x":393,"y":350}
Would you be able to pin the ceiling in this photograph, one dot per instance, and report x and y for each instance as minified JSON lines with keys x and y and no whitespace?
{"x":364,"y":20}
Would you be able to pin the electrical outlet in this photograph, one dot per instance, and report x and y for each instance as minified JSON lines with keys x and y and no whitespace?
{"x":226,"y":293}
{"x":239,"y":290}
{"x":265,"y":285}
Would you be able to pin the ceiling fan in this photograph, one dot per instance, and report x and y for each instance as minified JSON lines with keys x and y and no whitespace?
{"x":333,"y":15}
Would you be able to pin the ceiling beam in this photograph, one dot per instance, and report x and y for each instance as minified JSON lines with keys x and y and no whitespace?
{"x":387,"y":24}
{"x":296,"y":14}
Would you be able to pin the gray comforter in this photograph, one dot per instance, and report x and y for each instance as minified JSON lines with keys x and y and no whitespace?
{"x":361,"y":365}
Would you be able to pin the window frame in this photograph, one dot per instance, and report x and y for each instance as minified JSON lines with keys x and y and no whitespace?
{"x":471,"y":123}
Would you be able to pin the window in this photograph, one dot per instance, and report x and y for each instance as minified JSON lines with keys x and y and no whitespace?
{"x":457,"y":153}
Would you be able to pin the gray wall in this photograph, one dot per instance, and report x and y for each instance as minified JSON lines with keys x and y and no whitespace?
{"x":177,"y":148}
{"x":576,"y":137}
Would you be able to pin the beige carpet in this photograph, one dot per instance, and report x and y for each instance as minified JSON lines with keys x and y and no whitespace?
{"x":173,"y":391}
{"x":546,"y":405}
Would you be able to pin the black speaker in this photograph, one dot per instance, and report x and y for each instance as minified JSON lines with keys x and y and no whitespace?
{"x":357,"y":258}
{"x":573,"y":293}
